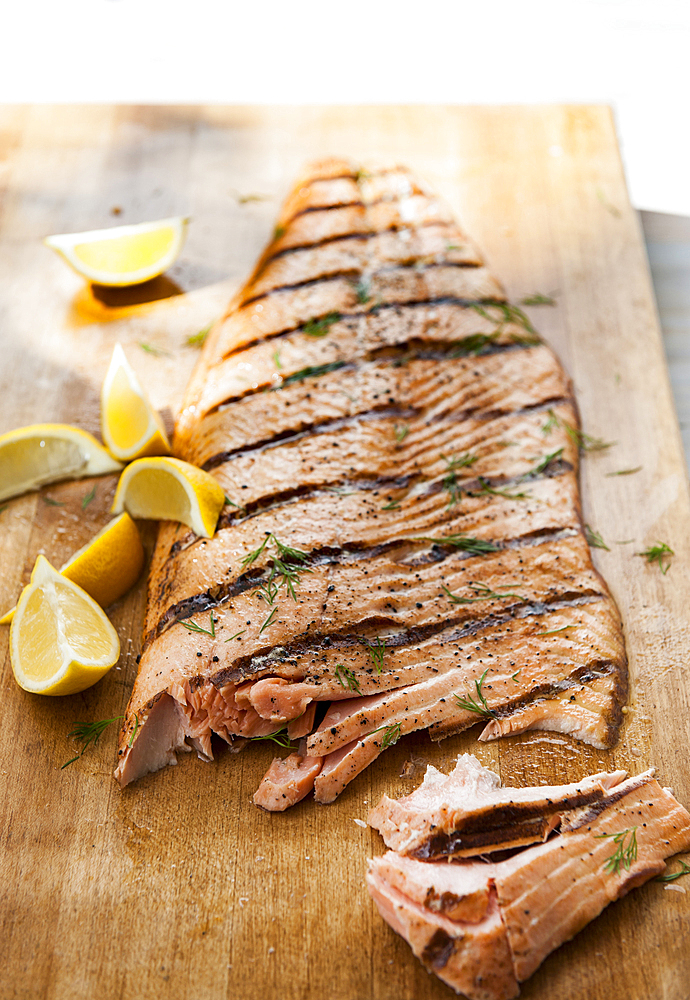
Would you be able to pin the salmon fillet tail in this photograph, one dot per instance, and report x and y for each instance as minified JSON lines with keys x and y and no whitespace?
{"x":607,"y":835}
{"x":402,"y":545}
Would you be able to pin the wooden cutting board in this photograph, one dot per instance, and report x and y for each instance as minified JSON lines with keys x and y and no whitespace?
{"x":179,"y":887}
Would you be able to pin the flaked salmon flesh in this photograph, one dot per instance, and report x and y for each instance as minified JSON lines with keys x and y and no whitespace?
{"x":402,"y":546}
{"x":591,"y":843}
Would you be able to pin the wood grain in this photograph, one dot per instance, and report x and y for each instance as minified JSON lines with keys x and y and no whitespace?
{"x":179,"y":887}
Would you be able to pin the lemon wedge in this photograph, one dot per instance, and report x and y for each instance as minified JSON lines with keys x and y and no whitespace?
{"x":107,"y":566}
{"x":122,"y":255}
{"x":61,"y":641}
{"x":31,"y":457}
{"x":169,"y":489}
{"x":130,"y":426}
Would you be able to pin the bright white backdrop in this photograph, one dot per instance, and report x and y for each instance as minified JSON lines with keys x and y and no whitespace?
{"x":633,"y":54}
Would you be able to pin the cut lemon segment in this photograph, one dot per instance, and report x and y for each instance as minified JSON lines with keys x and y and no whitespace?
{"x":130,"y":426}
{"x":31,"y":457}
{"x":168,"y":489}
{"x":107,"y":566}
{"x":61,"y":641}
{"x":122,"y":255}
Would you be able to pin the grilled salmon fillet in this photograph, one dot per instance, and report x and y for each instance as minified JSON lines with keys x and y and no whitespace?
{"x":402,"y":545}
{"x":607,"y":836}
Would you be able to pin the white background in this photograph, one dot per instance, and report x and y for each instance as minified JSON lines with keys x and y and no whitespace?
{"x":633,"y":54}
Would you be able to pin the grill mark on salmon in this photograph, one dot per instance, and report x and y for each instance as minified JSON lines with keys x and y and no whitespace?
{"x":545,"y":893}
{"x":467,"y":377}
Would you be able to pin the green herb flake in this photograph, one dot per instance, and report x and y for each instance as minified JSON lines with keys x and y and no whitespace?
{"x":88,"y":498}
{"x":661,"y":554}
{"x":475,"y":546}
{"x":585,"y":442}
{"x":400,"y":432}
{"x":544,"y":463}
{"x":88,"y":734}
{"x":514,"y":676}
{"x":393,"y":505}
{"x":199,"y":339}
{"x":391,"y":734}
{"x":376,"y":651}
{"x":269,"y":620}
{"x":193,"y":627}
{"x":363,"y":291}
{"x":480,"y":706}
{"x":276,"y":360}
{"x":320,"y":327}
{"x":537,"y":299}
{"x":152,"y":349}
{"x":346,"y":678}
{"x":624,"y":472}
{"x":279,"y":232}
{"x":280,"y":737}
{"x":235,"y":636}
{"x":486,"y":487}
{"x":625,"y":852}
{"x":594,"y":539}
{"x":312,"y":371}
{"x":672,"y":876}
{"x":481,"y":593}
{"x":51,"y":502}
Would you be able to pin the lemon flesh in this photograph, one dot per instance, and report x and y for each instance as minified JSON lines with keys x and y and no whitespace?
{"x":123,"y":255}
{"x":33,"y":456}
{"x":107,"y":566}
{"x":130,"y":426}
{"x":169,"y":489}
{"x":61,"y":641}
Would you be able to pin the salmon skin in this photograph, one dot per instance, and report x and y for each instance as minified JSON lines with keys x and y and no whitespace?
{"x":402,"y":544}
{"x":484,"y":926}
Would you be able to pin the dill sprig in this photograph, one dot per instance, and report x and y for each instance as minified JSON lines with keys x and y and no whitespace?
{"x":88,"y":498}
{"x":672,"y":876}
{"x":134,"y":731}
{"x":508,"y":314}
{"x":625,"y":853}
{"x":475,"y":546}
{"x":450,"y":480}
{"x":391,"y":734}
{"x":346,"y":678}
{"x":193,"y":627}
{"x":481,"y":593}
{"x":594,"y":539}
{"x":269,"y":619}
{"x":487,"y":488}
{"x":472,"y":345}
{"x":363,"y":290}
{"x":538,"y":299}
{"x":156,"y":351}
{"x":320,"y":327}
{"x":199,"y":339}
{"x":400,"y":432}
{"x":286,"y":565}
{"x":280,"y":737}
{"x":393,"y":505}
{"x":376,"y":651}
{"x":463,"y":462}
{"x":545,"y":462}
{"x":585,"y":442}
{"x":52,"y":503}
{"x":661,"y":554}
{"x":480,"y":706}
{"x":624,"y":472}
{"x":311,"y":371}
{"x":235,"y":636}
{"x":88,"y":734}
{"x":276,"y":360}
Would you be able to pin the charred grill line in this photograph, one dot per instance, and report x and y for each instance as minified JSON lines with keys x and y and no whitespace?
{"x":288,"y":437}
{"x":597,"y":808}
{"x":374,"y":310}
{"x":350,"y":273}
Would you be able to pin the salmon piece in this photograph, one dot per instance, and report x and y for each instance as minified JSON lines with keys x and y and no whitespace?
{"x":472,"y":958}
{"x":287,"y":782}
{"x":466,"y":812}
{"x":376,"y":411}
{"x":597,"y":851}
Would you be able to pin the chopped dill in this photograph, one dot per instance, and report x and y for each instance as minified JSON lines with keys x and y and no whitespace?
{"x":278,"y":232}
{"x":320,"y":327}
{"x":660,"y":553}
{"x":88,"y":733}
{"x":486,"y":487}
{"x":391,"y":734}
{"x":624,"y":472}
{"x":684,"y":870}
{"x":276,"y":360}
{"x":480,"y":706}
{"x":537,"y":299}
{"x":280,"y":737}
{"x":515,"y":674}
{"x":624,"y":854}
{"x":472,"y":345}
{"x":400,"y":432}
{"x":481,"y":593}
{"x":453,"y":246}
{"x":475,"y":546}
{"x":350,"y":681}
{"x":231,"y":503}
{"x":235,"y":636}
{"x":594,"y":539}
{"x":450,"y":481}
{"x":545,"y":462}
{"x":584,"y":441}
{"x":88,"y":498}
{"x":199,"y":339}
{"x":311,"y":371}
{"x":465,"y":461}
{"x":269,"y":619}
{"x":134,"y":731}
{"x":52,"y":503}
{"x":376,"y":651}
{"x":393,"y":505}
{"x":508,"y":314}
